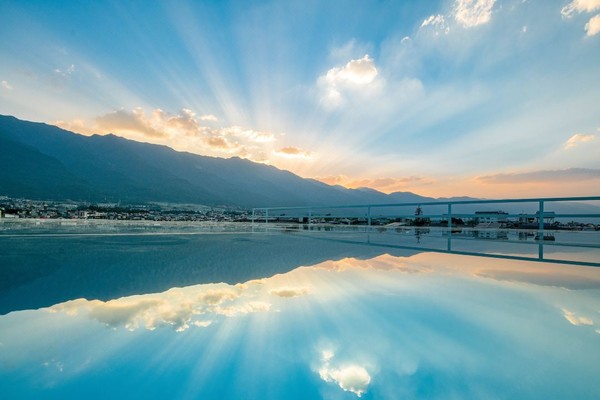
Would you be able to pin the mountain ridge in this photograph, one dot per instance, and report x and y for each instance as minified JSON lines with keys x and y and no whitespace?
{"x":45,"y":162}
{"x":110,"y":167}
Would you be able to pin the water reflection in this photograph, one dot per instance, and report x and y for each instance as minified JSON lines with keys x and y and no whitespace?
{"x":358,"y":318}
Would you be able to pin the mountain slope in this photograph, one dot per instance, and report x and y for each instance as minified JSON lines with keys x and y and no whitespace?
{"x":57,"y":164}
{"x":41,"y":161}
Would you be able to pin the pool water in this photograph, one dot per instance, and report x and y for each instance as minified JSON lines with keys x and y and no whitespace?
{"x":294,"y":315}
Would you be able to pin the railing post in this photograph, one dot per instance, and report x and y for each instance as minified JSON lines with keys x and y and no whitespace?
{"x":541,"y":231}
{"x":450,"y":217}
{"x":266,"y":216}
{"x":309,"y":219}
{"x":369,"y":216}
{"x":541,"y":219}
{"x":253,"y":213}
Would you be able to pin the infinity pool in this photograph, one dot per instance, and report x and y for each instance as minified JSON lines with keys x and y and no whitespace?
{"x":288,"y":314}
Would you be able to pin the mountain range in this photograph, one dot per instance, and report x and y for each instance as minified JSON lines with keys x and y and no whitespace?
{"x":41,"y":161}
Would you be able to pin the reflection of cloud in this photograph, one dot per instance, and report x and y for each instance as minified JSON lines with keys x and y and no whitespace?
{"x":575,"y":319}
{"x":246,"y":308}
{"x":289,"y":292}
{"x":351,"y":378}
{"x":561,"y":175}
{"x":178,"y":307}
{"x":541,"y":278}
{"x":578,"y":138}
{"x":381,"y":263}
{"x":473,"y":12}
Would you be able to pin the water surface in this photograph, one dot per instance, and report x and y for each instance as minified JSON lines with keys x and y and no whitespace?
{"x":295,"y":314}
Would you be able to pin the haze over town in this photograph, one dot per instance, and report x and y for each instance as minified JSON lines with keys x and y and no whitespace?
{"x":484,"y":98}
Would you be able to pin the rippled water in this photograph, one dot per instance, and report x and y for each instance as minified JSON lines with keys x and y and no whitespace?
{"x":293,"y":314}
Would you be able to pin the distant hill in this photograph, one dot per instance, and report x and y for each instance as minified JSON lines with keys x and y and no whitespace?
{"x":41,"y":161}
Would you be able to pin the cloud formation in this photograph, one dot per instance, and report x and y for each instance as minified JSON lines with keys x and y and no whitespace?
{"x":579,"y":138}
{"x":593,"y":26}
{"x":560,"y":175}
{"x":438,"y":22}
{"x":354,"y":77}
{"x":289,"y":292}
{"x":579,"y":6}
{"x":178,"y":308}
{"x":6,"y":85}
{"x":185,"y":130}
{"x":472,"y":13}
{"x":351,"y":378}
{"x":384,"y":262}
{"x":121,"y":121}
{"x":292,"y":152}
{"x":433,"y":20}
{"x":385,"y":185}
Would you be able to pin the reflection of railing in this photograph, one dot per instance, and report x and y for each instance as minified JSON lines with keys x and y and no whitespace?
{"x":374,"y":239}
{"x":311,"y":212}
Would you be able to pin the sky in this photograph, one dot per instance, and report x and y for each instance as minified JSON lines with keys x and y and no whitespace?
{"x":485,"y":98}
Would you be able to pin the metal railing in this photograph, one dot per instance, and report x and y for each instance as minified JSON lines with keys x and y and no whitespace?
{"x":312,"y":212}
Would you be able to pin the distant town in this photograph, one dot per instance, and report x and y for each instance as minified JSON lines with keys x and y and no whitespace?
{"x":17,"y":208}
{"x":27,"y":208}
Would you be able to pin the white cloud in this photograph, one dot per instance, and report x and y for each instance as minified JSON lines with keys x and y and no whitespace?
{"x":578,"y":6}
{"x":579,"y":138}
{"x":593,"y":26}
{"x":354,"y":77}
{"x":560,"y":175}
{"x":357,"y":72}
{"x":438,"y":22}
{"x":386,"y":185}
{"x":433,"y":20}
{"x":351,"y":378}
{"x":292,"y":152}
{"x":65,"y":73}
{"x":473,"y":12}
{"x":184,"y":131}
{"x":209,"y":117}
{"x":249,"y":134}
{"x":6,"y":85}
{"x":122,"y":121}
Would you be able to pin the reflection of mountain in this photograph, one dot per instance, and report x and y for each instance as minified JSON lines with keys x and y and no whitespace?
{"x":40,"y":272}
{"x":46,"y":270}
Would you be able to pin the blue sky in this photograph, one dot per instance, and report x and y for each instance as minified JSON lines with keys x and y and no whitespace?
{"x":484,"y":98}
